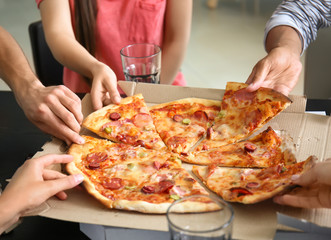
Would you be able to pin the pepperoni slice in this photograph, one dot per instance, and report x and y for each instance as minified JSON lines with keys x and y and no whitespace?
{"x":113,"y":184}
{"x":165,"y":186}
{"x":201,"y":115}
{"x":148,"y":189}
{"x":94,"y":165}
{"x":114,"y":116}
{"x":142,"y":120}
{"x":249,"y":147}
{"x":96,"y":157}
{"x":178,"y":118}
{"x":241,"y":191}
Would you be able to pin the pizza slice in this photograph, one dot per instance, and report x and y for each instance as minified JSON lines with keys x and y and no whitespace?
{"x":242,"y":114}
{"x":246,"y":185}
{"x":134,"y":178}
{"x":129,"y":122}
{"x":264,"y":150}
{"x":182,"y":123}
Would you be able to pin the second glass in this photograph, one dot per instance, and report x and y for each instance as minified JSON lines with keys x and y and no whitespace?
{"x":201,"y":225}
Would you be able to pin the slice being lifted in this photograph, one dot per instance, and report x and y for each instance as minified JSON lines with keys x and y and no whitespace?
{"x":182,"y":123}
{"x":264,"y":150}
{"x":243,"y":113}
{"x":129,"y":122}
{"x":250,"y":185}
{"x":134,"y":178}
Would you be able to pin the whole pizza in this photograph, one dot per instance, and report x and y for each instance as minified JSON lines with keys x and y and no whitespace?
{"x":136,"y":163}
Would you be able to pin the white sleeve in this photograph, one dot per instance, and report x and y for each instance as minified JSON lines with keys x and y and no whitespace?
{"x":304,"y":16}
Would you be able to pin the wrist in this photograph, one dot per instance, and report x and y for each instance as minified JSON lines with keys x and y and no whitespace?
{"x":9,"y":213}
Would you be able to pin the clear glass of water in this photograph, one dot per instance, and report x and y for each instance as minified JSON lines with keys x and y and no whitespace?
{"x":197,"y":223}
{"x":141,"y":62}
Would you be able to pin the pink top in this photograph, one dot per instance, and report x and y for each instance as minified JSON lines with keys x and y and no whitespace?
{"x":121,"y":23}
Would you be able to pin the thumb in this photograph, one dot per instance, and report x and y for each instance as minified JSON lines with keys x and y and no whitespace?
{"x":257,"y":76}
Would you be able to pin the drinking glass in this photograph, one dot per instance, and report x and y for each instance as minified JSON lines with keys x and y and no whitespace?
{"x":196,"y":224}
{"x":141,"y":62}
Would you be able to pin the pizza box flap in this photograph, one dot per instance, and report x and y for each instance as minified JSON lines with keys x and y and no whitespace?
{"x":311,"y":133}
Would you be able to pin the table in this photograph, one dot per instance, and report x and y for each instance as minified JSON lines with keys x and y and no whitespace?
{"x":20,"y":140}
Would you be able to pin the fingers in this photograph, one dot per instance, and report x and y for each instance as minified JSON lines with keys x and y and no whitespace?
{"x":73,"y":103}
{"x":65,"y":106}
{"x":55,"y":187}
{"x":104,"y":88}
{"x":49,"y":159}
{"x":298,"y":201}
{"x":54,"y":126}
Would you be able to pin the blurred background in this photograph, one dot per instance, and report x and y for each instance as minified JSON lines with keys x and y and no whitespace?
{"x":226,"y":42}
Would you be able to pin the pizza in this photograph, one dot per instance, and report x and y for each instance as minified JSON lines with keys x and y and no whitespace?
{"x":134,"y":178}
{"x":128,"y":122}
{"x":248,"y":185}
{"x":136,"y":165}
{"x":263,"y":150}
{"x":182,"y":123}
{"x":242,"y":114}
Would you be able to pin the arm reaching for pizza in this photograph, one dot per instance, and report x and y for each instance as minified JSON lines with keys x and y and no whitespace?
{"x":31,"y":185}
{"x":55,"y":110}
{"x":281,"y":68}
{"x":315,"y":191}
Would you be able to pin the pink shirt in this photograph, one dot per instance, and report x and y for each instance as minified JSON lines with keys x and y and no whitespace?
{"x":120,"y":23}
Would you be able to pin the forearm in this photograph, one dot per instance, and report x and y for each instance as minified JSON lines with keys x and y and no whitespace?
{"x":60,"y":37}
{"x":72,"y":55}
{"x":172,"y":60}
{"x":178,"y":18}
{"x":285,"y":37}
{"x":14,"y":67}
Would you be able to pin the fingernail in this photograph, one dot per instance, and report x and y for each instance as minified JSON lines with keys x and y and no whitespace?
{"x":81,"y":140}
{"x":78,"y":178}
{"x":295,"y":177}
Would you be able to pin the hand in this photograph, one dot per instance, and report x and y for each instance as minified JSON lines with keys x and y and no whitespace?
{"x":279,"y":70}
{"x":32,"y":184}
{"x":104,"y":87}
{"x":55,"y":110}
{"x":315,"y":191}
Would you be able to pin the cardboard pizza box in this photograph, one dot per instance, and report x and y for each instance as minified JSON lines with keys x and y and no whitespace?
{"x":311,"y":133}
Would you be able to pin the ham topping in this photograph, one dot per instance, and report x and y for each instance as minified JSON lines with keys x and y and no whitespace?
{"x":142,"y":120}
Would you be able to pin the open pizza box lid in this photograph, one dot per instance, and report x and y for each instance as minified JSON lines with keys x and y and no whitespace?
{"x":311,"y":133}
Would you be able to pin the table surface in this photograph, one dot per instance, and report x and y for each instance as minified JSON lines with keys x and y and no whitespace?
{"x":20,"y":140}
